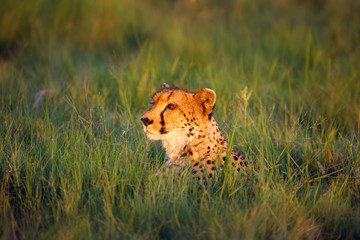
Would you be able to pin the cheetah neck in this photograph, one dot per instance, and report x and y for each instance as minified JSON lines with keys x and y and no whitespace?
{"x":198,"y":142}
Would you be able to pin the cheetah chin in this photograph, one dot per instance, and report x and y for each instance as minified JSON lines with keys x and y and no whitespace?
{"x":183,"y":121}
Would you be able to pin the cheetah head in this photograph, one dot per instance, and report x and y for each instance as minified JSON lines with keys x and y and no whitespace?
{"x":175,"y":112}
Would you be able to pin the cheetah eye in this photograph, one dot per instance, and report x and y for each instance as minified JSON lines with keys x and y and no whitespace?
{"x":172,"y":106}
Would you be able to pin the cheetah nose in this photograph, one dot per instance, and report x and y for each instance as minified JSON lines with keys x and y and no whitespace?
{"x":146,"y":121}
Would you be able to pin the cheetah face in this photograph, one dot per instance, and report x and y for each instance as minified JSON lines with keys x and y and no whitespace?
{"x":174,"y":112}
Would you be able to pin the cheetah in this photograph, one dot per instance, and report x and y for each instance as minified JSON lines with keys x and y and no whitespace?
{"x":184,"y":122}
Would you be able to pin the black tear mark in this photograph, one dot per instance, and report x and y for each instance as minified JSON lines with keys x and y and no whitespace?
{"x":163,"y":131}
{"x":162,"y":122}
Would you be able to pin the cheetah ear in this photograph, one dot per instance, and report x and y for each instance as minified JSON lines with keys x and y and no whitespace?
{"x":206,"y":98}
{"x":165,"y":86}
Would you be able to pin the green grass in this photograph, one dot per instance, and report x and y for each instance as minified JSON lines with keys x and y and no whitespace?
{"x":76,"y":76}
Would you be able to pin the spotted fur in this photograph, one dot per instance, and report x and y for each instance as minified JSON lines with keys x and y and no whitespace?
{"x":183,"y":121}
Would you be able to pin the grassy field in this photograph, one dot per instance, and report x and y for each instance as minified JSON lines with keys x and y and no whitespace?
{"x":76,"y":76}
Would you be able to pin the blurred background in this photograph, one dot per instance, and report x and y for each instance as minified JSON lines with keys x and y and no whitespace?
{"x":189,"y":27}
